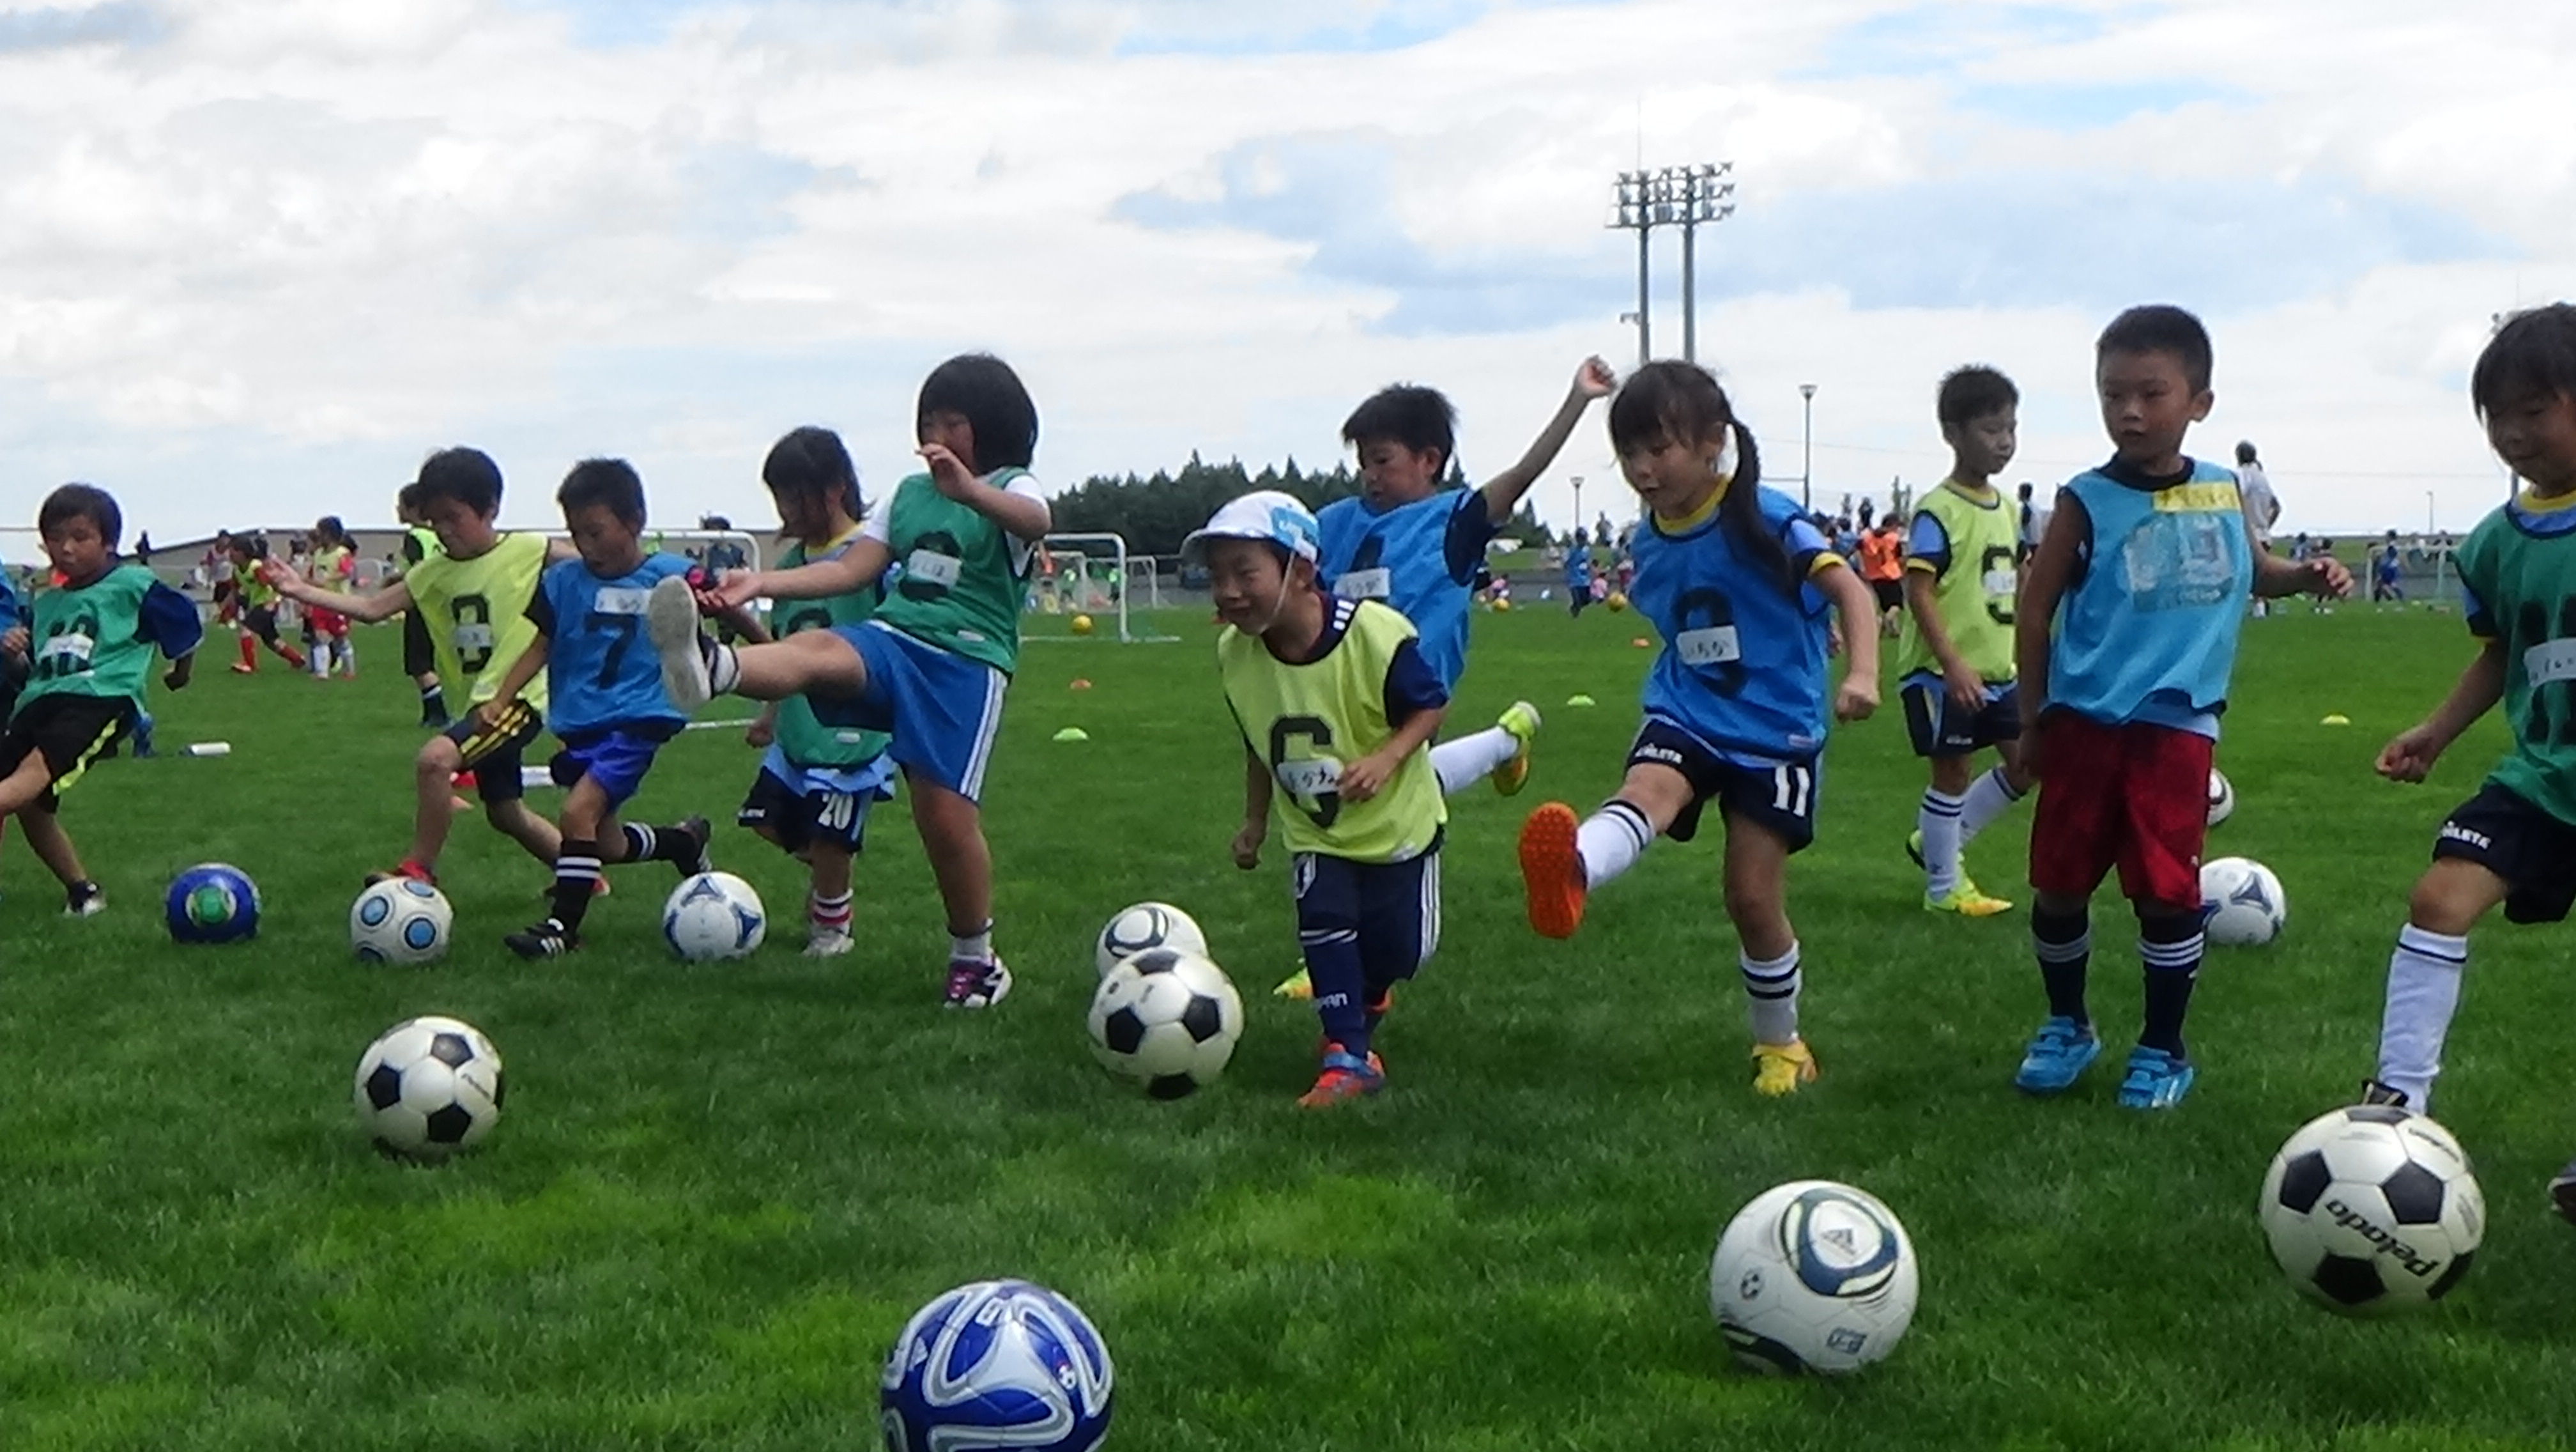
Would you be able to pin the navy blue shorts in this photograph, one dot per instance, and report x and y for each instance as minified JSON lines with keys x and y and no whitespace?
{"x":614,"y":756}
{"x":942,"y":709}
{"x":826,"y":808}
{"x":1940,"y":728}
{"x":1392,"y":907}
{"x":1781,"y":797}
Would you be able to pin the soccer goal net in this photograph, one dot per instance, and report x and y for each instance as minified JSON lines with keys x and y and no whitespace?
{"x":1091,"y":575}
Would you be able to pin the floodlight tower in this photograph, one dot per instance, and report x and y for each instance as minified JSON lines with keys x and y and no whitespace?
{"x":1672,"y":196}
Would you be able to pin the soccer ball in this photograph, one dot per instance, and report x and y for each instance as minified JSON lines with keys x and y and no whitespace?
{"x":400,"y":920}
{"x":212,"y":902}
{"x":1812,"y":1276}
{"x":1147,"y":925}
{"x":1081,"y":625}
{"x":2222,"y":797}
{"x":2371,"y":1209}
{"x":997,"y":1364}
{"x":1616,"y":602}
{"x":2244,"y":900}
{"x":714,"y":915}
{"x":1166,"y":1020}
{"x":429,"y":1088}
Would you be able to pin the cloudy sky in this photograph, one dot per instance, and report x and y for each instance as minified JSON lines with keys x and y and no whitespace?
{"x":257,"y":256}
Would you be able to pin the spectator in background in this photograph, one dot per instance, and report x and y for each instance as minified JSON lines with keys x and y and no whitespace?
{"x":143,"y":549}
{"x":2262,"y":506}
{"x":2029,"y":522}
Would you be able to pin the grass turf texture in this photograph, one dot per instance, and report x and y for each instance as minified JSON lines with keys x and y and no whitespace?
{"x":718,"y":1191}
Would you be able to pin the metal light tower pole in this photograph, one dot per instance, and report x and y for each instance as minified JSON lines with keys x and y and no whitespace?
{"x":1682,"y":196}
{"x":1807,"y":447}
{"x":1578,"y":505}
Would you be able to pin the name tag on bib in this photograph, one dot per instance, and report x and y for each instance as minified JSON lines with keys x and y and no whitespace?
{"x":73,"y":649}
{"x":2552,"y":660}
{"x":473,"y":637}
{"x":622,"y":600}
{"x":1364,"y":585}
{"x":1310,"y":778}
{"x":2000,"y":583}
{"x":932,"y":568}
{"x":1715,"y":645}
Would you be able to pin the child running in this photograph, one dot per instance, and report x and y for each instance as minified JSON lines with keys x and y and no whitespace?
{"x":1336,"y":707}
{"x":258,"y":592}
{"x":607,"y":704}
{"x":1737,"y":581}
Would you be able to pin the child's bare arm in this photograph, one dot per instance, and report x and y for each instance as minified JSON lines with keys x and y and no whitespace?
{"x":1018,"y":514}
{"x":1256,"y":812}
{"x":371,"y":607}
{"x":1503,"y":492}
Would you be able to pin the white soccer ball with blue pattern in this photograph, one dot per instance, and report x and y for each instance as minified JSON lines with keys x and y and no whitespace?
{"x":714,"y":915}
{"x":993,"y":1365}
{"x":2244,"y":901}
{"x":1812,"y":1276}
{"x":1146,"y":925}
{"x":400,"y":920}
{"x":2222,"y":797}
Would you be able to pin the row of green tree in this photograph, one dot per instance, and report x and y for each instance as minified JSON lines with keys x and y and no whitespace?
{"x":1154,"y":512}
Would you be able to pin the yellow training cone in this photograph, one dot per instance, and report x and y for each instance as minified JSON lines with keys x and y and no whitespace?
{"x":1073,"y":733}
{"x":2336,"y":718}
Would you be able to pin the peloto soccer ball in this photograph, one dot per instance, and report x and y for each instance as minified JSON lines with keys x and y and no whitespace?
{"x":2372,"y":1209}
{"x":2245,"y":903}
{"x":430,"y":1088}
{"x":1147,"y":925}
{"x":400,"y":920}
{"x":997,"y":1364}
{"x":1812,"y":1276}
{"x":2222,"y":797}
{"x":212,"y":902}
{"x":714,"y":915}
{"x":1166,"y":1020}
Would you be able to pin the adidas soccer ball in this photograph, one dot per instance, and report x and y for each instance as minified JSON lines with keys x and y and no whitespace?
{"x":2222,"y":797}
{"x":1812,"y":1276}
{"x":1167,"y":1020}
{"x":212,"y":902}
{"x":430,"y":1088}
{"x":2371,"y":1209}
{"x":2244,"y":900}
{"x":714,"y":915}
{"x":400,"y":920}
{"x":997,"y":1364}
{"x":1147,"y":925}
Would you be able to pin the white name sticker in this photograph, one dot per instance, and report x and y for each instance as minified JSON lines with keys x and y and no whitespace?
{"x":2551,"y":660}
{"x":1311,"y":778}
{"x":473,"y":637}
{"x":2002,"y":582}
{"x":621,"y":600}
{"x":1364,"y":585}
{"x":74,"y":646}
{"x":932,"y":568}
{"x":1714,"y":646}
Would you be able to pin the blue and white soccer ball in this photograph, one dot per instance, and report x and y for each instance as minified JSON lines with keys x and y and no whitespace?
{"x":714,"y":915}
{"x":2244,"y":902}
{"x":400,"y":920}
{"x":1812,"y":1276}
{"x":2222,"y":797}
{"x":997,"y":1364}
{"x":212,"y":902}
{"x":1146,"y":925}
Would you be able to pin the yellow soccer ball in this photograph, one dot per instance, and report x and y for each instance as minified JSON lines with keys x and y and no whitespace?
{"x":1616,"y":601}
{"x":1082,"y":625}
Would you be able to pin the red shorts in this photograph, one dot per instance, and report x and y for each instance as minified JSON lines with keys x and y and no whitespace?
{"x":326,"y":622}
{"x":2135,"y":797}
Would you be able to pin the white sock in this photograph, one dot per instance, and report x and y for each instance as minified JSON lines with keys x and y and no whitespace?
{"x":1771,"y":992}
{"x":2423,"y":993}
{"x":1470,"y":759}
{"x":1938,"y":819}
{"x":1610,"y":841}
{"x":974,"y":947}
{"x":1989,"y":797}
{"x":724,"y":670}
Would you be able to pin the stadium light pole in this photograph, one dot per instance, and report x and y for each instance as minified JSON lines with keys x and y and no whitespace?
{"x":1807,"y":448}
{"x":1639,"y":319}
{"x":1672,"y":196}
{"x":1578,"y":501}
{"x":2428,"y":511}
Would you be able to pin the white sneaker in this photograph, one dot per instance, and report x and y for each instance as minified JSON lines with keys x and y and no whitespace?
{"x":671,"y":623}
{"x":828,"y":943}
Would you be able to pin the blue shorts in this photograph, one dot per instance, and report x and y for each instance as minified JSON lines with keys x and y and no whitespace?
{"x":942,"y":709}
{"x":1940,"y":728}
{"x":1780,"y":795}
{"x":801,"y":806}
{"x":614,"y":756}
{"x":1393,"y":908}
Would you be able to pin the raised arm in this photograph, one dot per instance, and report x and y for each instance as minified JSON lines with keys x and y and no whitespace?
{"x":1020,"y":515}
{"x":851,"y":570}
{"x":1503,"y":492}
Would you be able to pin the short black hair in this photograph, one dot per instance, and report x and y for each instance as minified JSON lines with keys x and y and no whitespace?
{"x":2245,"y":451}
{"x":611,"y":484}
{"x":812,"y":463}
{"x":2161,"y":328}
{"x":1972,"y":393}
{"x":82,"y":501}
{"x":990,"y":397}
{"x":2533,"y":354}
{"x":407,"y":499}
{"x":1420,"y":418}
{"x":465,"y":475}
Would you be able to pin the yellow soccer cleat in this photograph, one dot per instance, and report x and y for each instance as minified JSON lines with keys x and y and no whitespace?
{"x":1521,"y":720}
{"x":1780,"y":1069}
{"x":1967,"y":900}
{"x":1296,"y":985}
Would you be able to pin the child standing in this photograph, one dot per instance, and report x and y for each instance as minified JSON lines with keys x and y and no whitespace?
{"x":607,"y":704}
{"x":330,"y":568}
{"x":89,"y":644}
{"x":817,"y":783}
{"x":420,"y":653}
{"x":1737,"y":581}
{"x":2125,"y":637}
{"x":2513,"y":843}
{"x":931,"y":666}
{"x":1955,"y":657}
{"x":1336,"y":705}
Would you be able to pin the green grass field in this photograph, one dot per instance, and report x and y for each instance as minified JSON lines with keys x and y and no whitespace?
{"x":719,"y":1191}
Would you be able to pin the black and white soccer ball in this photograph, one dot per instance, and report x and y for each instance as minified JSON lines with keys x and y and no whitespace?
{"x":2371,"y":1210}
{"x":429,"y":1088}
{"x":2244,"y":902}
{"x":1146,"y":925}
{"x":2222,"y":797}
{"x":1812,"y":1276}
{"x":1166,"y":1020}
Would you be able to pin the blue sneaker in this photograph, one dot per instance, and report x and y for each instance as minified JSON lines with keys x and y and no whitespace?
{"x":2057,"y":1057}
{"x":143,"y":737}
{"x":2156,"y":1080}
